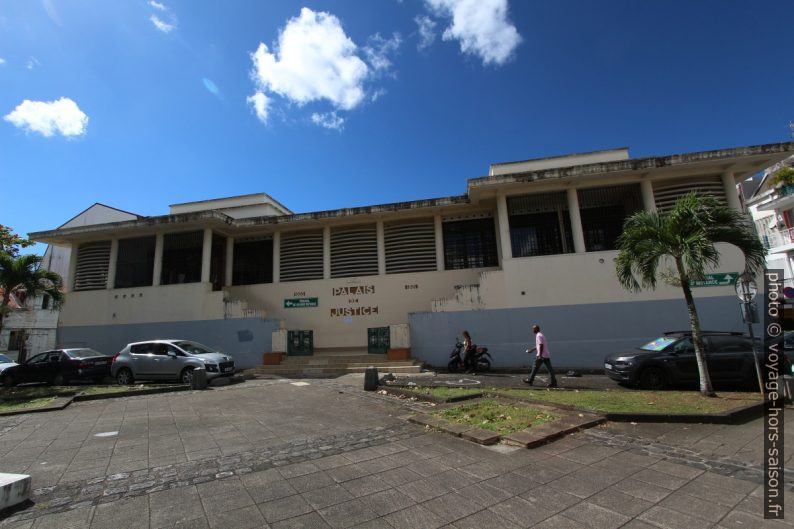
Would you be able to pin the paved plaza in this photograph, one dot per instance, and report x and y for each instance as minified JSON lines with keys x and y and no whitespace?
{"x":323,"y":453}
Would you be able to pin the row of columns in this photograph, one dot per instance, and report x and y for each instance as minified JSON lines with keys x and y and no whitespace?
{"x":648,"y":200}
{"x":503,"y":226}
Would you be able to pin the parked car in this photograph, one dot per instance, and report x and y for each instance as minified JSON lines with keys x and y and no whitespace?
{"x":670,"y":361}
{"x":58,"y":367}
{"x":169,"y":359}
{"x":6,"y":362}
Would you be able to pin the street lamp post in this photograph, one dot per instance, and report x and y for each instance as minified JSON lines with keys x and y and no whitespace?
{"x":747,"y":289}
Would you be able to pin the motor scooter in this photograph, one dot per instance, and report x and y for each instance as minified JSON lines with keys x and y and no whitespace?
{"x":481,"y":360}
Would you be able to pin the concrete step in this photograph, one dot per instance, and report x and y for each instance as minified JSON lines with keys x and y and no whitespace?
{"x":328,"y":370}
{"x":326,"y":363}
{"x":334,"y":359}
{"x":14,"y":489}
{"x":340,"y":351}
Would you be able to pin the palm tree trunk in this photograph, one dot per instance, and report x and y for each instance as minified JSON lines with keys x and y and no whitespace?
{"x":694,"y":322}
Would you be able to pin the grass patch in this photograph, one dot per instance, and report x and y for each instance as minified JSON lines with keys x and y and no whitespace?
{"x":445,"y":392}
{"x":18,"y":405}
{"x":670,"y":402}
{"x":17,"y":395}
{"x":490,"y":414}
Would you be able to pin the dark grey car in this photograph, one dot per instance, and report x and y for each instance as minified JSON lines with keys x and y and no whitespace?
{"x":670,"y":361}
{"x":169,"y":359}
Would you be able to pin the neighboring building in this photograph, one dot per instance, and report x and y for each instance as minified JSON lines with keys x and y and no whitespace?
{"x":32,"y":323}
{"x":772,"y":209}
{"x":532,"y":242}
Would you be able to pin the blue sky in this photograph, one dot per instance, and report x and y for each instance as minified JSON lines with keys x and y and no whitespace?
{"x":140,"y":104}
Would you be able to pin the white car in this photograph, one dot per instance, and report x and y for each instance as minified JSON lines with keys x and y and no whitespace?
{"x":6,"y":362}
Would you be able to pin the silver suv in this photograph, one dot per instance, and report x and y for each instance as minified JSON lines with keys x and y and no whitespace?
{"x":168,"y":359}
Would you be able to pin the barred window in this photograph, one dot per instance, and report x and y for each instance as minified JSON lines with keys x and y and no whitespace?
{"x":539,"y":224}
{"x":182,"y":257}
{"x":604,"y":210}
{"x":91,"y":268}
{"x":253,"y":261}
{"x":470,"y":244}
{"x":135,"y":262}
{"x":17,"y":339}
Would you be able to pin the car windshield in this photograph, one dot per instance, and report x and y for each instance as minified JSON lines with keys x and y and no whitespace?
{"x":83,"y":353}
{"x":5,"y":360}
{"x":658,"y":344}
{"x":194,"y":348}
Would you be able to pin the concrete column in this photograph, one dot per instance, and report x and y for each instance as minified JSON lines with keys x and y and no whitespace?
{"x":206,"y":254}
{"x":648,"y":200}
{"x":327,"y":252}
{"x":276,"y":256}
{"x":72,"y":268}
{"x":229,"y":266}
{"x":503,"y":224}
{"x":157,"y":273}
{"x":439,"y":243}
{"x":381,"y":248}
{"x":731,"y":193}
{"x":576,"y":220}
{"x":114,"y":257}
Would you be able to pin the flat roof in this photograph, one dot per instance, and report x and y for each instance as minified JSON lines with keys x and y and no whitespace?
{"x":741,"y":160}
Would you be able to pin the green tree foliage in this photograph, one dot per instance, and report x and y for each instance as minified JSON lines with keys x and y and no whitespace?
{"x":685,"y":237}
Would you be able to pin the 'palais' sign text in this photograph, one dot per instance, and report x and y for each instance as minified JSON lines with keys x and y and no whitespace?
{"x":353,"y":291}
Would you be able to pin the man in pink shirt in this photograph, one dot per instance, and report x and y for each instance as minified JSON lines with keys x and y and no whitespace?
{"x":542,"y":357}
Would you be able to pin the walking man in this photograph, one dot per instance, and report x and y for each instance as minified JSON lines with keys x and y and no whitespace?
{"x":542,"y":357}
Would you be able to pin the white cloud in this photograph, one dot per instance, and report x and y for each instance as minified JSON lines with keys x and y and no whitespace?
{"x":329,"y":120}
{"x":33,"y":62}
{"x":49,"y":117}
{"x":157,"y":5}
{"x":481,"y":27}
{"x":2,"y":61}
{"x":378,"y":50}
{"x":427,"y":31}
{"x":314,"y":60}
{"x":261,"y":104}
{"x":163,"y":26}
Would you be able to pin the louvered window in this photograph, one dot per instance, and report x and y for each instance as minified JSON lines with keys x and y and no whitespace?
{"x":540,"y":224}
{"x":91,"y":269}
{"x":354,"y":251}
{"x":182,"y":257}
{"x":253,"y":261}
{"x":666,"y":193}
{"x":301,"y":256}
{"x":135,"y":262}
{"x":410,"y":246}
{"x":470,"y":244}
{"x":603,"y":211}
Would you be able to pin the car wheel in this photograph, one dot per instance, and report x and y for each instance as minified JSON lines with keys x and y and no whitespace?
{"x":8,"y":381}
{"x":653,"y":378}
{"x":124,"y":377}
{"x":58,"y":380}
{"x":186,"y":376}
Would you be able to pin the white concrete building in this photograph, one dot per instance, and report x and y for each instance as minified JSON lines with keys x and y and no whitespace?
{"x":772,"y":209}
{"x":532,"y":242}
{"x":33,"y":322}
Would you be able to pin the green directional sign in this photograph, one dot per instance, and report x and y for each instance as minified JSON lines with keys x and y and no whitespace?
{"x":716,"y":280}
{"x":300,"y":303}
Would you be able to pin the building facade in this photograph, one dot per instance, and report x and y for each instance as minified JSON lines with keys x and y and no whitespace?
{"x":32,"y":324}
{"x":532,"y":242}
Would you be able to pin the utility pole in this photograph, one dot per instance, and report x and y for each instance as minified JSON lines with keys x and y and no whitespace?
{"x":746,"y":289}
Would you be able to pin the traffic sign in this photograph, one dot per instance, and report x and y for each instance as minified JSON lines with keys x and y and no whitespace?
{"x":715,"y":280}
{"x":746,"y":288}
{"x":300,"y":303}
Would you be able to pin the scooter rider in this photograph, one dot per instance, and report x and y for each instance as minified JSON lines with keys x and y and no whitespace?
{"x":468,"y":352}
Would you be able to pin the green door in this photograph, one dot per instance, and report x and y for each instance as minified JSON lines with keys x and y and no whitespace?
{"x":300,"y":343}
{"x":378,"y":340}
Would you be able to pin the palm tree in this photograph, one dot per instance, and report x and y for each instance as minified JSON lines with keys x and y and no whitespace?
{"x":24,"y":273}
{"x":686,"y":237}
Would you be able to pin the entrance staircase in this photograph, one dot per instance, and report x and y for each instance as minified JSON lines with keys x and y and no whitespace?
{"x":335,"y":361}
